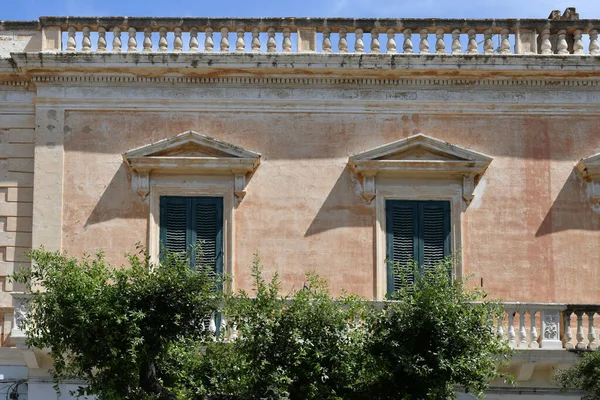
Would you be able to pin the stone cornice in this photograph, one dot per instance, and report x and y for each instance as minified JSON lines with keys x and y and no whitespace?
{"x":300,"y":68}
{"x":311,"y":61}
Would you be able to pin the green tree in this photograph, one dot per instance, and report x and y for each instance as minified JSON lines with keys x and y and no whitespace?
{"x":584,"y":376}
{"x":306,"y":346}
{"x":114,"y":327}
{"x":435,"y":335}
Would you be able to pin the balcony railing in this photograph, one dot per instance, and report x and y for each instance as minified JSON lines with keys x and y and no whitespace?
{"x":526,"y":326}
{"x":559,"y":35}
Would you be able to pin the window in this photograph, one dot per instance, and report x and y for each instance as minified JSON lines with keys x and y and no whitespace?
{"x":416,"y":230}
{"x":194,"y":226}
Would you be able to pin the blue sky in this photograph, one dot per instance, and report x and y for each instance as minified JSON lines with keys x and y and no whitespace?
{"x":32,"y":9}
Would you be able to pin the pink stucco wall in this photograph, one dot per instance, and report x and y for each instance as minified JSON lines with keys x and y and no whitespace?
{"x":529,"y":235}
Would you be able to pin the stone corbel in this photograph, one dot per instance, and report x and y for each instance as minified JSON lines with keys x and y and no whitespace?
{"x":468,"y":187}
{"x":141,"y":182}
{"x":368,"y":178}
{"x":239,"y":183}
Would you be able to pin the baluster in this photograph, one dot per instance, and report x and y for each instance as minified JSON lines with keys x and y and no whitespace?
{"x":223,"y":324}
{"x":326,"y":40}
{"x":522,"y":330}
{"x":209,"y":44}
{"x":424,"y":44}
{"x":472,"y":44}
{"x":488,"y":44}
{"x":562,"y":46}
{"x":286,"y":45}
{"x":234,"y":332}
{"x":568,"y":334}
{"x":504,"y":43}
{"x":456,"y":47}
{"x":359,"y":45}
{"x":194,"y":40}
{"x":212,"y":326}
{"x":71,"y":43}
{"x":163,"y":44}
{"x":177,"y":41}
{"x":147,"y":44}
{"x":511,"y":329}
{"x":132,"y":42}
{"x":408,"y":44}
{"x":116,"y":43}
{"x":391,"y":42}
{"x":375,"y":45}
{"x":592,"y":345}
{"x":343,"y":43}
{"x":224,"y":45}
{"x":271,"y":43}
{"x":533,"y":333}
{"x":580,"y":345}
{"x":594,"y":45}
{"x":86,"y":43}
{"x":546,"y":46}
{"x":240,"y":43}
{"x":440,"y":45}
{"x":255,"y":44}
{"x":500,"y":328}
{"x":101,"y":39}
{"x":578,"y":47}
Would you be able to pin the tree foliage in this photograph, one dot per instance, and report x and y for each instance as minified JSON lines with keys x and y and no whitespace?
{"x":136,"y":333}
{"x":110,"y":326}
{"x":584,"y":376}
{"x":436,"y":335}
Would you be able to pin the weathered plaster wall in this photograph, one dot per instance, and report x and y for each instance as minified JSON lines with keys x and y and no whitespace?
{"x":529,"y":235}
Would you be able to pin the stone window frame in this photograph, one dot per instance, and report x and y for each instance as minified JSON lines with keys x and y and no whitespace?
{"x":390,"y":172}
{"x":413,"y":191}
{"x":193,"y":186}
{"x":215,"y":169}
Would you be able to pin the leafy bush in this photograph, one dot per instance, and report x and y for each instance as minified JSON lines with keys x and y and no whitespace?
{"x":585,"y":376}
{"x":434,"y":336}
{"x":137,"y":333}
{"x":111,"y":326}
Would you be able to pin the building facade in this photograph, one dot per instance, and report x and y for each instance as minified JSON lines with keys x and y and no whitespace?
{"x":326,"y":145}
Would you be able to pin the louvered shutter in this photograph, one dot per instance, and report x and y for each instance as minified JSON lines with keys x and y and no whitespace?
{"x":174,"y":224}
{"x":434,"y":233}
{"x":208,"y":232}
{"x":419,"y":231}
{"x":402,"y":218}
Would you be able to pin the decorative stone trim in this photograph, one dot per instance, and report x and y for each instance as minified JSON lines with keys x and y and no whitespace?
{"x":589,"y":169}
{"x":206,"y":155}
{"x":313,"y":81}
{"x":420,"y":156}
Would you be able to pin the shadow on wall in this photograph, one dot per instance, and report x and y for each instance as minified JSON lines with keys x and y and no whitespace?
{"x":344,"y":207}
{"x":119,"y":200}
{"x":571,"y":209}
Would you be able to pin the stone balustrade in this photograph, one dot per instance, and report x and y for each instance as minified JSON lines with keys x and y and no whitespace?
{"x":526,"y":326}
{"x":322,"y":35}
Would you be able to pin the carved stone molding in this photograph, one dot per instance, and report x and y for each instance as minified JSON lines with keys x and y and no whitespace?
{"x":191,"y":152}
{"x":589,"y":169}
{"x":423,"y":157}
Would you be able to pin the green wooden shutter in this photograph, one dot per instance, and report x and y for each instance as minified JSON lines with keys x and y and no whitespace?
{"x":207,"y":216}
{"x":402,"y":241}
{"x":174,"y":224}
{"x":434,"y":233}
{"x":415,"y":230}
{"x":193,"y":226}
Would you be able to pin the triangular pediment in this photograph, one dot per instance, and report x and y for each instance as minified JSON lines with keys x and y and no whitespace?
{"x":420,"y":147}
{"x":420,"y":156}
{"x":190,"y":144}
